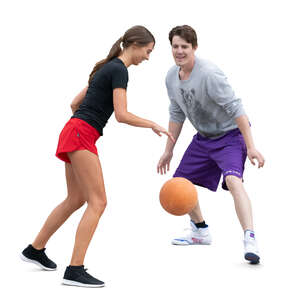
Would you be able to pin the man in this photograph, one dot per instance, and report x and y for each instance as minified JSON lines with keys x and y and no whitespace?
{"x":199,"y":90}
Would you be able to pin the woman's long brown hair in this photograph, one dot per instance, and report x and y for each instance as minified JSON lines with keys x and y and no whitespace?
{"x":139,"y":35}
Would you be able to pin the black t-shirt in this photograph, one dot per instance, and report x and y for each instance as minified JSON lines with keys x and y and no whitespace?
{"x":97,"y":106}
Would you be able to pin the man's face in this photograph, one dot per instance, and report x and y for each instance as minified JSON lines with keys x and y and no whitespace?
{"x":183,"y":51}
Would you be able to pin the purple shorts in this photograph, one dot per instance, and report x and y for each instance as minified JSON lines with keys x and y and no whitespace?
{"x":205,"y":160}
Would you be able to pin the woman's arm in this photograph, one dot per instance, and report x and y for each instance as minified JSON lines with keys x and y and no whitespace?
{"x":78,"y":100}
{"x":123,"y":116}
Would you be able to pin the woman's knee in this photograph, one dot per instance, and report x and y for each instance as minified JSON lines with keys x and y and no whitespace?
{"x":97,"y":204}
{"x":75,"y":202}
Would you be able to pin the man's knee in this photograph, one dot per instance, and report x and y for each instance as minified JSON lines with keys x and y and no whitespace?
{"x":233,"y":181}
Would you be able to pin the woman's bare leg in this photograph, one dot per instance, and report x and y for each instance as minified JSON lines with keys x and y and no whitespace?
{"x":60,"y":214}
{"x":88,"y":173}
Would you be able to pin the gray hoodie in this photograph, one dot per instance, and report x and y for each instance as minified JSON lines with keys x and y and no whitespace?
{"x":205,"y":98}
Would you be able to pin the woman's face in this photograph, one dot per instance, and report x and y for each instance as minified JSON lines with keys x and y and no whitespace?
{"x":141,"y":53}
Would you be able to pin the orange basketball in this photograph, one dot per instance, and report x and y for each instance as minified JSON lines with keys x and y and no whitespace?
{"x":178,"y":196}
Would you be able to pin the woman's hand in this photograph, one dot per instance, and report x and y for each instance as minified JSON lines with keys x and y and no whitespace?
{"x":158,"y":130}
{"x":78,"y":99}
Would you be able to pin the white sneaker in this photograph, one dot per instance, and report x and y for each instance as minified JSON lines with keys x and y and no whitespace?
{"x":194,"y":236}
{"x":251,"y":252}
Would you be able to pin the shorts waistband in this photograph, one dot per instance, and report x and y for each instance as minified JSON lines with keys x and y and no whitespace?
{"x":80,"y":122}
{"x":204,"y":138}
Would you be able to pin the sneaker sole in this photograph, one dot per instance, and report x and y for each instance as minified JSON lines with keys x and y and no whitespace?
{"x":252,"y":258}
{"x":75,"y":283}
{"x":187,"y":243}
{"x":24,"y":258}
{"x":180,"y":243}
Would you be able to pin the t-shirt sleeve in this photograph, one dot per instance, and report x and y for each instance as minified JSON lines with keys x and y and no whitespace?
{"x":220,"y":91}
{"x":119,"y":77}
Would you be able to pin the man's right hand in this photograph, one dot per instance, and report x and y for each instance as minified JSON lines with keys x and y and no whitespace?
{"x":164,"y":162}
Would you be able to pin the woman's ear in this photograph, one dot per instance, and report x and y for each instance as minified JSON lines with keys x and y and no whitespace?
{"x":134,"y":45}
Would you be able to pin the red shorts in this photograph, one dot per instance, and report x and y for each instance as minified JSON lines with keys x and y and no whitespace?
{"x":76,"y":135}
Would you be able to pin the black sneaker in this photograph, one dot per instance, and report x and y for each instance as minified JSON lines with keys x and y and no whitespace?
{"x":38,"y":257}
{"x":77,"y":275}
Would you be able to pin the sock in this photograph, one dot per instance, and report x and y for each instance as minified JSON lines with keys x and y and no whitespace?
{"x":39,"y":250}
{"x":249,"y":234}
{"x":201,"y":225}
{"x":76,"y":267}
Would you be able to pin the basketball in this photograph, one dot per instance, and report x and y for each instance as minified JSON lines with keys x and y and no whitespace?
{"x":178,"y":196}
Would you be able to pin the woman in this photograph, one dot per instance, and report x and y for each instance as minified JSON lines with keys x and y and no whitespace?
{"x":92,"y":108}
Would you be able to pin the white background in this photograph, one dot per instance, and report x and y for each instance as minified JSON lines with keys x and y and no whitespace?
{"x":48,"y":49}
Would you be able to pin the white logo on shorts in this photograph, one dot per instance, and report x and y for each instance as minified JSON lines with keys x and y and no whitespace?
{"x":232,"y":171}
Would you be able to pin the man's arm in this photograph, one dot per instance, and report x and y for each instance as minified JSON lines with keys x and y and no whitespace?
{"x":177,"y":118}
{"x":244,"y":127}
{"x":175,"y":130}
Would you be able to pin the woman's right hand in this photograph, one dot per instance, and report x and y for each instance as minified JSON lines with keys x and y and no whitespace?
{"x":164,"y":162}
{"x":158,"y":130}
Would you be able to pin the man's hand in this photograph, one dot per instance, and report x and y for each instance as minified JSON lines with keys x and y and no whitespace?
{"x":254,"y":154}
{"x":164,"y":162}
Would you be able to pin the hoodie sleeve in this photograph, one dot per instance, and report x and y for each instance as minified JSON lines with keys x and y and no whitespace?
{"x":175,"y":111}
{"x":220,"y":91}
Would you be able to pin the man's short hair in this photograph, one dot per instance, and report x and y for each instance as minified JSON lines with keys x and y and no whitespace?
{"x":186,"y":32}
